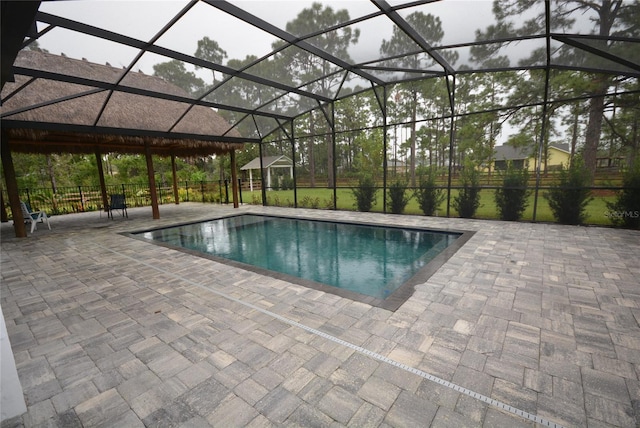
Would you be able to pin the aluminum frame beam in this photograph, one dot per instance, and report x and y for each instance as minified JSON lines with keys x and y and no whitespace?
{"x":145,"y":46}
{"x":40,"y":74}
{"x":289,"y":38}
{"x":413,"y":34}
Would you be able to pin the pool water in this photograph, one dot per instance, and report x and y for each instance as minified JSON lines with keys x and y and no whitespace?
{"x":370,"y":260}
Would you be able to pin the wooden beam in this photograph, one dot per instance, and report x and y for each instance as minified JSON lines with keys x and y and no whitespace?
{"x":152,"y":183}
{"x":176,"y":196}
{"x":3,"y":212}
{"x":103,"y":186}
{"x":234,"y":179}
{"x":65,"y":146}
{"x":12,"y":187}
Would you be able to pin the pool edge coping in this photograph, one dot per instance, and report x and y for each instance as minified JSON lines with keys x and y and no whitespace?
{"x":392,"y":303}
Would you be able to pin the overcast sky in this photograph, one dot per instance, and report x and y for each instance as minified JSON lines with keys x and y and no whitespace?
{"x":142,"y":19}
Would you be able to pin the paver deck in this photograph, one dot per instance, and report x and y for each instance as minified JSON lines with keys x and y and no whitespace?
{"x":526,"y":324}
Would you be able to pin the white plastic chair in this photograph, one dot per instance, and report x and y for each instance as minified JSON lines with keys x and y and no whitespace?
{"x":33,"y":217}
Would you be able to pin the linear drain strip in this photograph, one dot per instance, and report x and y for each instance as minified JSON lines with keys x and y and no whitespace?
{"x":410,"y":369}
{"x":374,"y":355}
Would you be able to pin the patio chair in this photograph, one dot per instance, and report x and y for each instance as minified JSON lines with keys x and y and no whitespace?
{"x":118,"y":203}
{"x":33,"y":217}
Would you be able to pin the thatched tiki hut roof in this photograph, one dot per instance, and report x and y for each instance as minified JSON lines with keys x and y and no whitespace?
{"x":46,"y":115}
{"x":62,"y":105}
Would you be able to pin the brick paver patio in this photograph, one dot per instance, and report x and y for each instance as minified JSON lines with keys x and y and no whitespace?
{"x":526,"y":323}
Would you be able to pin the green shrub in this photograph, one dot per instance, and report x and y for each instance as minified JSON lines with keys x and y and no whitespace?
{"x":429,"y":197}
{"x":512,"y":197}
{"x":568,"y":198}
{"x":275,"y":183}
{"x":365,"y":194}
{"x":208,"y":197}
{"x":625,"y":211}
{"x":397,"y":197}
{"x":286,"y":183}
{"x":328,"y":204}
{"x":309,"y":202}
{"x":468,"y":199}
{"x":183,"y":194}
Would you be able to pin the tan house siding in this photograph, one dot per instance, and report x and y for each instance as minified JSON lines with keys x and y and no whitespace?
{"x":557,"y":156}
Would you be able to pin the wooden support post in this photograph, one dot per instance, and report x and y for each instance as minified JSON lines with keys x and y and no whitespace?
{"x":174,"y":171}
{"x":3,"y":212}
{"x":234,"y":179}
{"x":152,"y":182}
{"x":12,"y":187}
{"x":103,"y":186}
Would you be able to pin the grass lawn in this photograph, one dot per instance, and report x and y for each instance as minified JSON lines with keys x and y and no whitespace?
{"x":322,"y":198}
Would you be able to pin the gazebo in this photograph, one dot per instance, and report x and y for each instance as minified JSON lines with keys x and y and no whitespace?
{"x":267,"y":163}
{"x":97,"y":121}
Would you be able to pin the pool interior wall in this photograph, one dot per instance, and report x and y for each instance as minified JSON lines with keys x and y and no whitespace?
{"x":390,"y":300}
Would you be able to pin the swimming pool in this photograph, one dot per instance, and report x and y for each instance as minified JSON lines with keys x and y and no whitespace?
{"x":361,"y":259}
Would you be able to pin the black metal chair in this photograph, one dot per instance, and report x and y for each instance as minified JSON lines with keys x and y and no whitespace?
{"x":118,"y":203}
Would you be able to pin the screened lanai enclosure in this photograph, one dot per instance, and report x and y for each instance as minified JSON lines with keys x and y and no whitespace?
{"x":392,"y":90}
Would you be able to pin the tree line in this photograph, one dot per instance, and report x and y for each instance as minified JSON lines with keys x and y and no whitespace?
{"x":596,"y":113}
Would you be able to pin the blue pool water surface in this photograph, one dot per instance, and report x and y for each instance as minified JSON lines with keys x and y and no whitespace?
{"x":370,"y":260}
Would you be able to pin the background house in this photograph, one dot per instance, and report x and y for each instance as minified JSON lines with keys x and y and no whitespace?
{"x":268,"y":162}
{"x":396,"y":166}
{"x":525,"y":157}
